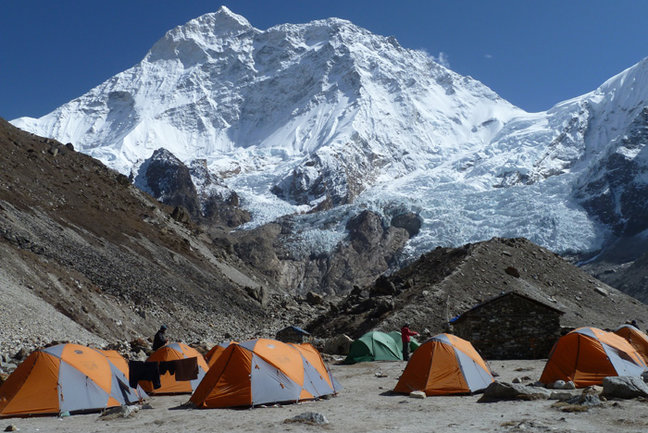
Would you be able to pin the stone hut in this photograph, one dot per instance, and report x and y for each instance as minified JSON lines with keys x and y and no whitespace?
{"x":293,"y":334}
{"x":510,"y":326}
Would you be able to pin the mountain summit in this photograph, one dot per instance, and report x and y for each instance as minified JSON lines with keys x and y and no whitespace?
{"x":327,"y":116}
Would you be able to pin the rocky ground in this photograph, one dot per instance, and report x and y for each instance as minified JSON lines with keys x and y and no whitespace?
{"x":366,"y":404}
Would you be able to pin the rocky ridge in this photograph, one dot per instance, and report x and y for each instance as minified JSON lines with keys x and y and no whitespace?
{"x":448,"y":281}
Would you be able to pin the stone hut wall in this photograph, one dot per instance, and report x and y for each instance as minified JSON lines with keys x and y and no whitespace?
{"x":511,"y":327}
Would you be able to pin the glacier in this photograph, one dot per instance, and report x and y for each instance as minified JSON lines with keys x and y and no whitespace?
{"x":326,"y":115}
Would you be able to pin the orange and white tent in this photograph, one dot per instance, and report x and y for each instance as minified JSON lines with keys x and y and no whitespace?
{"x":636,"y":338}
{"x":120,"y":362}
{"x":445,"y":364}
{"x":117,"y":360}
{"x":215,"y":352}
{"x":169,"y":384}
{"x":264,"y":371}
{"x":587,"y":355}
{"x":64,"y":378}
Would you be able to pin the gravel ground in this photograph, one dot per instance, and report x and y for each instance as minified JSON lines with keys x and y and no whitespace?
{"x":365,"y":405}
{"x":29,"y":322}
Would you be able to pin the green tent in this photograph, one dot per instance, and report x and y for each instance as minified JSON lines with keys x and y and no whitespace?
{"x":377,"y":346}
{"x":413,"y":345}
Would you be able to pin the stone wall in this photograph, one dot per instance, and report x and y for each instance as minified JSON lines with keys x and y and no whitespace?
{"x":510,"y":327}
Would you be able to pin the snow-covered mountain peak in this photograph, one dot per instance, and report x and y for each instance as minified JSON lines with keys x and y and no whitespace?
{"x":327,"y":115}
{"x":196,"y":38}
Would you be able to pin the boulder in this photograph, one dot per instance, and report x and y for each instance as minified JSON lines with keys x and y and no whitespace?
{"x":624,"y":387}
{"x":258,"y":293}
{"x":498,"y":391}
{"x":580,"y":403}
{"x":562,"y":395}
{"x":314,"y":298}
{"x":338,"y":345}
{"x":312,"y":418}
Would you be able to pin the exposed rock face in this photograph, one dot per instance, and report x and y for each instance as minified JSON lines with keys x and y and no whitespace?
{"x":193,"y":188}
{"x":409,"y":221}
{"x":219,"y":204}
{"x":369,"y":248}
{"x":448,"y":281}
{"x":616,"y":186}
{"x":169,"y":181}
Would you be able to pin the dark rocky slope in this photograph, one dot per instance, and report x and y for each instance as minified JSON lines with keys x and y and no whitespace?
{"x":448,"y":281}
{"x":79,"y":237}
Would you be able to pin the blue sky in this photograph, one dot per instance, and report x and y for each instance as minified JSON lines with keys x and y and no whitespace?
{"x":533,"y":53}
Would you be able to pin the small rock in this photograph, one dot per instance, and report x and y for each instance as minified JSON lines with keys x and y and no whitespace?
{"x":417,"y":394}
{"x":561,"y":384}
{"x":314,"y":298}
{"x":600,"y":291}
{"x":561,"y":395}
{"x":516,"y":380}
{"x":11,"y":427}
{"x":312,"y":418}
{"x":512,"y":272}
{"x":21,"y":354}
{"x":125,"y":411}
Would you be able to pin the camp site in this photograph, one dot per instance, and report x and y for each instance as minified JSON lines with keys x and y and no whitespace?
{"x":589,"y":375}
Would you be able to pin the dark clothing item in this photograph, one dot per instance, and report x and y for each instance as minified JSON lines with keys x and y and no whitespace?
{"x":159,"y":340}
{"x":186,"y":369}
{"x":406,"y":352}
{"x":140,"y":370}
{"x":168,"y":367}
{"x":181,"y":369}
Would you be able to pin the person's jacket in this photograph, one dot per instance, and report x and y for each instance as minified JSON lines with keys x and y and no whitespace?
{"x":406,"y":334}
{"x":159,"y":340}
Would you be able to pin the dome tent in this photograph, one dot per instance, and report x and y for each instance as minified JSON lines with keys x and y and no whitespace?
{"x":212,"y":355}
{"x":587,"y":355}
{"x":445,"y":364}
{"x":64,"y":378}
{"x":264,"y":371}
{"x":378,"y":346}
{"x":636,"y":338}
{"x":169,"y":385}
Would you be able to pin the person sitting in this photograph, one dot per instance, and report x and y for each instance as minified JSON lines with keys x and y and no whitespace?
{"x":160,"y":338}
